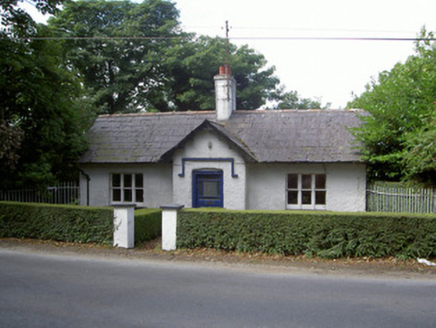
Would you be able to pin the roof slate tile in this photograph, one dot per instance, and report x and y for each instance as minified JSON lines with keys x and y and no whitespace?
{"x":267,"y":136}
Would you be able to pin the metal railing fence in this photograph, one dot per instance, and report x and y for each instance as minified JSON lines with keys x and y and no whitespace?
{"x":64,"y":193}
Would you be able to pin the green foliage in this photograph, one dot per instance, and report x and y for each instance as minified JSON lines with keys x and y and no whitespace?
{"x":43,"y":114}
{"x":291,"y":100}
{"x":127,"y":72}
{"x":192,"y":64}
{"x":148,"y":224}
{"x":323,"y":234}
{"x":121,"y":75}
{"x":16,"y":22}
{"x":56,"y":222}
{"x":420,"y":153}
{"x":401,"y":108}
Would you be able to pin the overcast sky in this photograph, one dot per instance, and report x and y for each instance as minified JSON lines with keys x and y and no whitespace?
{"x":328,"y":71}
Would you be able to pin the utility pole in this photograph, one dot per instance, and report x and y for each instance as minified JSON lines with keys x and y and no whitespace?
{"x":227,"y":48}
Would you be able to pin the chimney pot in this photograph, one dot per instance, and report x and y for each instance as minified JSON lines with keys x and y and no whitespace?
{"x":224,"y":70}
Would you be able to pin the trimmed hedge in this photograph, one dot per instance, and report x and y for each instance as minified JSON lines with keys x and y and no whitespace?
{"x":69,"y":223}
{"x":323,"y":234}
{"x":148,"y":224}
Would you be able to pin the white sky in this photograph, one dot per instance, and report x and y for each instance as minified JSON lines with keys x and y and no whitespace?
{"x":328,"y":71}
{"x":324,"y":70}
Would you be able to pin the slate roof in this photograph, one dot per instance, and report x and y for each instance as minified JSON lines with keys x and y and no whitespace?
{"x":317,"y":136}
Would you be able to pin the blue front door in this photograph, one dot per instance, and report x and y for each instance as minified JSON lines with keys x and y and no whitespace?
{"x":207,"y":189}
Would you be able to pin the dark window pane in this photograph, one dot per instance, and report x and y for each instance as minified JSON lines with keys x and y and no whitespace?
{"x":320,"y":181}
{"x":116,"y":180}
{"x":293,"y":197}
{"x":320,"y":197}
{"x":210,"y":189}
{"x":306,"y":181}
{"x":306,"y":197}
{"x":139,"y":194}
{"x":127,"y":195}
{"x":127,"y":180}
{"x":292,"y":181}
{"x":139,"y":181}
{"x":116,"y":195}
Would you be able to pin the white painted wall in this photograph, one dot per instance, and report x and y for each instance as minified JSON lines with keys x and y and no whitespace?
{"x":157,"y":183}
{"x":346,"y":184}
{"x":346,"y":187}
{"x":207,"y":144}
{"x":264,"y":189}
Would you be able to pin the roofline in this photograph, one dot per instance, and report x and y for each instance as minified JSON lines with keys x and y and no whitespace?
{"x":157,"y":114}
{"x":238,"y":111}
{"x":263,"y":111}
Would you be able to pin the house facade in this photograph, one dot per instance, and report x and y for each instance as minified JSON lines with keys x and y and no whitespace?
{"x":272,"y":159}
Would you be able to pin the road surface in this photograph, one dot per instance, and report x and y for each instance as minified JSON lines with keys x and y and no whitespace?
{"x":49,"y":290}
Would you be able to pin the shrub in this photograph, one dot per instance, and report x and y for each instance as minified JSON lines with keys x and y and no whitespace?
{"x":148,"y":224}
{"x":324,"y":234}
{"x":69,"y":223}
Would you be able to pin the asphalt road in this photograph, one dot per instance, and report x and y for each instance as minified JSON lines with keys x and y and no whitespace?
{"x":44,"y":290}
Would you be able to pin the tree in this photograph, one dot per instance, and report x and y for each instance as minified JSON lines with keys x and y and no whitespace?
{"x":192,"y":64}
{"x":126,"y":71}
{"x":42,"y":113}
{"x":400,"y":105}
{"x":16,"y":22}
{"x":420,"y":155}
{"x":119,"y":49}
{"x":291,"y":100}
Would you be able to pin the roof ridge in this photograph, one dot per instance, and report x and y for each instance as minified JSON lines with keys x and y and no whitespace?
{"x":263,"y":111}
{"x":239,"y":111}
{"x":156,"y":114}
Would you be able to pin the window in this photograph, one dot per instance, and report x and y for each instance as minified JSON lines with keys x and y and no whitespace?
{"x":127,"y":188}
{"x":306,"y":191}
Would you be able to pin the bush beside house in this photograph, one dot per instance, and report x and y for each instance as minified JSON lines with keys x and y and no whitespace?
{"x":57,"y":222}
{"x":323,"y":234}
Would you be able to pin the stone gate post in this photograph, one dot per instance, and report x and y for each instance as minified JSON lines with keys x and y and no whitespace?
{"x":169,"y":226}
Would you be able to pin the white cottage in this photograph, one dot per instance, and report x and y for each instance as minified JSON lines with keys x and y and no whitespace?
{"x":272,"y":159}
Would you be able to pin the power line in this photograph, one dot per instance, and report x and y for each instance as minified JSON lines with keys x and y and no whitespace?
{"x":308,"y":38}
{"x":269,"y":38}
{"x":106,"y":38}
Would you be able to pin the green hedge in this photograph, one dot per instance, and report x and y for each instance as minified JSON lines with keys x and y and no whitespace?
{"x":323,"y":234}
{"x":56,"y":222}
{"x":148,"y":224}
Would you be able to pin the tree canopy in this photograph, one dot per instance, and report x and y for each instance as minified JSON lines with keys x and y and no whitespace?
{"x":16,"y":22}
{"x":134,"y":56}
{"x":192,"y":64}
{"x":397,"y":135}
{"x":106,"y":57}
{"x":118,"y":49}
{"x":43,"y":115}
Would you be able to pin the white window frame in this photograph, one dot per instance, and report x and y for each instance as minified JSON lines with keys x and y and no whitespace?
{"x":133,"y":188}
{"x":300,"y":205}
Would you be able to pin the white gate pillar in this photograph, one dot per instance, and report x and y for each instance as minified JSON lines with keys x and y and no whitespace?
{"x":169,"y":226}
{"x":124,"y":224}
